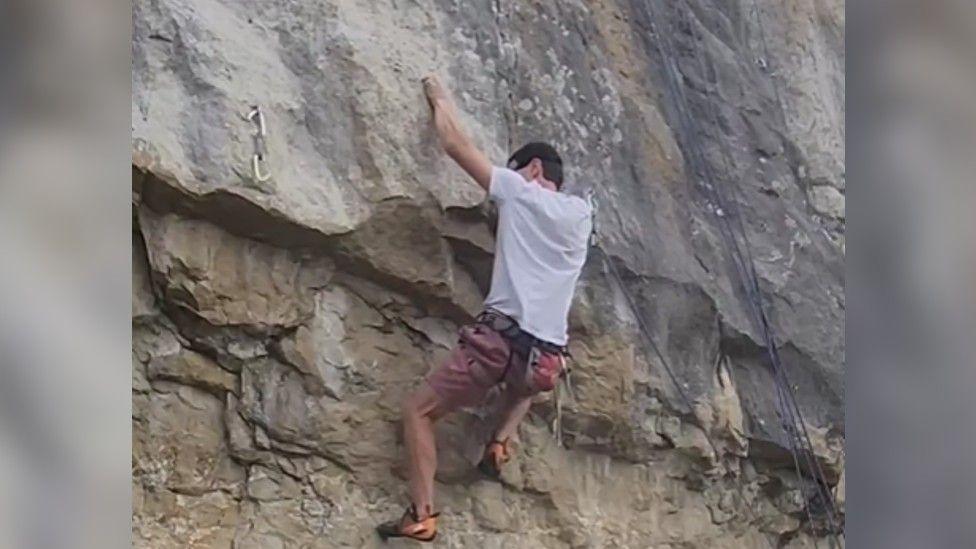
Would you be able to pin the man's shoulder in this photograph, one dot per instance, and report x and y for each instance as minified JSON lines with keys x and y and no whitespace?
{"x":502,"y":172}
{"x":579,"y":201}
{"x":505,"y":183}
{"x":574,"y":204}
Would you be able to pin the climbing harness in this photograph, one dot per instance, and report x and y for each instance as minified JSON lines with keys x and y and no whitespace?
{"x":259,"y":158}
{"x":546,"y":364}
{"x":544,"y":360}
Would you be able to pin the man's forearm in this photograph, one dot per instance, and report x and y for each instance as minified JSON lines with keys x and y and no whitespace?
{"x":452,"y":136}
{"x":450,"y":133}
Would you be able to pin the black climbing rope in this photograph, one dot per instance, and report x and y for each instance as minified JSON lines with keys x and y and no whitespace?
{"x":757,"y":17}
{"x":741,"y":256}
{"x":792,"y":417}
{"x":645,"y":331}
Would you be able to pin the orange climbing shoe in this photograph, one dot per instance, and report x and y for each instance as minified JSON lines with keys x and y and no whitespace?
{"x":410,"y":526}
{"x":497,"y":453}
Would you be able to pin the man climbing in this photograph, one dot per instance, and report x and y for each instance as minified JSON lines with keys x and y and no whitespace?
{"x":519,"y":340}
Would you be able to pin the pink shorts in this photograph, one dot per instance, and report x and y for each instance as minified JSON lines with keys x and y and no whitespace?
{"x":478,"y":362}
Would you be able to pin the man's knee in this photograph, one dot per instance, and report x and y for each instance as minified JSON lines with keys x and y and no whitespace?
{"x":416,"y":404}
{"x":410,"y":406}
{"x":422,"y":403}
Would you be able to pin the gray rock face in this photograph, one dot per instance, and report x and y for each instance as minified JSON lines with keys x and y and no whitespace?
{"x":277,"y":323}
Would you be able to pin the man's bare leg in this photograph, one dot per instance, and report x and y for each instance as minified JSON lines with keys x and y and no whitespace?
{"x":497,"y":453}
{"x":514,"y":409}
{"x":420,"y":411}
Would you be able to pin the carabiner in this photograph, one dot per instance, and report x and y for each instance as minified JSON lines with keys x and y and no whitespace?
{"x":256,"y":112}
{"x":256,"y":162}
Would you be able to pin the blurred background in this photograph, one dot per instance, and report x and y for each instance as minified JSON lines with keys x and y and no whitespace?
{"x":911,"y":372}
{"x":65,"y":282}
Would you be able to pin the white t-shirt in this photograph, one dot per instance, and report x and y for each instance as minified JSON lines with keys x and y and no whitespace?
{"x":540,"y":249}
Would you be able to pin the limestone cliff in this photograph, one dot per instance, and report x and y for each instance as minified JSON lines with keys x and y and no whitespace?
{"x":278,"y":322}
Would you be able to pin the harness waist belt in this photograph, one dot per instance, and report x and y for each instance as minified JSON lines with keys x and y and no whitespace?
{"x":521,"y":340}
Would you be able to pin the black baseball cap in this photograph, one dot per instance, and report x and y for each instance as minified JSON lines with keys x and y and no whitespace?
{"x":552,"y":163}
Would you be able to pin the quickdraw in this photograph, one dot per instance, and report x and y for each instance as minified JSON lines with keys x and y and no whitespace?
{"x":594,"y":232}
{"x":259,"y":158}
{"x":564,"y":381}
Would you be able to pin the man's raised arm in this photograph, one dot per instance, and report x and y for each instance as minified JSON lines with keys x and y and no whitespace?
{"x":452,"y":137}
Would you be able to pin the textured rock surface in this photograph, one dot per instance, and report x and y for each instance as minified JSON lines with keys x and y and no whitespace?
{"x":277,"y":324}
